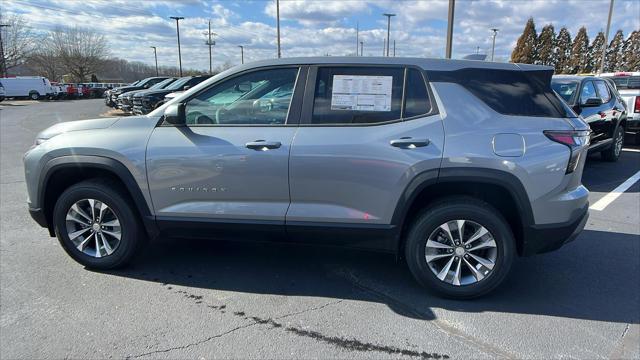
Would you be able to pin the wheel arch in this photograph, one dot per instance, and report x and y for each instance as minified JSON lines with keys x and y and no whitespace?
{"x":501,"y":189}
{"x":60,"y":173}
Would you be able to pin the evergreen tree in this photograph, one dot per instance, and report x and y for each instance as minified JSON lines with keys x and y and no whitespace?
{"x":614,"y":58}
{"x":546,"y":46}
{"x":525,"y":50}
{"x":580,"y":57}
{"x":596,"y":52}
{"x":563,"y":51}
{"x":631,"y":52}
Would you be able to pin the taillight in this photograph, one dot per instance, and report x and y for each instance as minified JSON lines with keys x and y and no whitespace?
{"x":574,"y":140}
{"x":637,"y":107}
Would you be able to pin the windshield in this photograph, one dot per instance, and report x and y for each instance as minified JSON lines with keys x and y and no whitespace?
{"x":566,"y":89}
{"x":162,"y":83}
{"x":625,"y":82}
{"x":178,"y":84}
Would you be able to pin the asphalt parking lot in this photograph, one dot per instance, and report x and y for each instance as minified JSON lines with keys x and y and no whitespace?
{"x":193,"y":299}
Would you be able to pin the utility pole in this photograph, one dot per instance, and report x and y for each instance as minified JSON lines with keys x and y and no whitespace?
{"x":241,"y":54}
{"x":361,"y":48}
{"x":394,"y":48}
{"x":278,"y":25}
{"x":177,"y":19}
{"x":606,"y":38}
{"x":357,"y":36}
{"x":384,"y":45}
{"x":210,"y":43}
{"x":493,"y":45}
{"x":4,"y":61}
{"x":388,"y":28}
{"x":452,"y":6}
{"x":155,"y":54}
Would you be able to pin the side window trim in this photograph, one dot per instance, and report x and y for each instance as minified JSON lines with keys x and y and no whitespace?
{"x":309,"y":96}
{"x":299,"y":86}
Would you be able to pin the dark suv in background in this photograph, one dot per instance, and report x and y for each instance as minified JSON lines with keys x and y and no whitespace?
{"x":146,"y":101}
{"x":124,"y":101}
{"x":138,"y":85}
{"x":597,"y":101}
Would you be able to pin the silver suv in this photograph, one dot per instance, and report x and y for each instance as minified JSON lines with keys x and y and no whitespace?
{"x":455,"y":166}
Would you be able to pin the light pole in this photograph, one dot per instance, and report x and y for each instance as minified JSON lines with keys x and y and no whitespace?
{"x":361,"y":48}
{"x":452,"y":7}
{"x":357,"y":36}
{"x":278,"y":25}
{"x":241,"y":54}
{"x":606,"y":38}
{"x":177,"y":19}
{"x":4,"y":61}
{"x":155,"y":54}
{"x":210,"y":43}
{"x":493,"y":44}
{"x":388,"y":29}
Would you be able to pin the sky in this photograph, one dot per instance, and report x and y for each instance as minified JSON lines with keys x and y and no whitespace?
{"x":314,"y":27}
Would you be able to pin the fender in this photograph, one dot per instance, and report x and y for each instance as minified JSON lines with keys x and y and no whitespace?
{"x":99,"y":162}
{"x":500,"y":178}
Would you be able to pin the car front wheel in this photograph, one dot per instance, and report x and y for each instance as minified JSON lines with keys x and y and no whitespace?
{"x":461,"y":248}
{"x":96,"y":225}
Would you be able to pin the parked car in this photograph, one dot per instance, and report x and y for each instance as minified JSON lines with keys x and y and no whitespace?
{"x":146,"y":101}
{"x":365,"y":152}
{"x":138,"y":85}
{"x":32,"y":87}
{"x":125,"y":101}
{"x":2,"y":92}
{"x":628,"y":85}
{"x":600,"y":105}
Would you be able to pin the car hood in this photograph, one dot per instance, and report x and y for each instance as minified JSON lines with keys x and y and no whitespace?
{"x":68,"y":126}
{"x":158,"y":92}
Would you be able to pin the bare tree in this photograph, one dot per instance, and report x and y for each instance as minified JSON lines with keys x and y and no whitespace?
{"x":45,"y":60}
{"x":82,"y":52}
{"x":17,"y":41}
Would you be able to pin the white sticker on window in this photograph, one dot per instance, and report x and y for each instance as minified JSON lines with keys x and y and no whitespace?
{"x":361,"y":93}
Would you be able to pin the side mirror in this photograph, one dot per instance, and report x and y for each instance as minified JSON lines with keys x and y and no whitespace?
{"x":186,"y":87}
{"x":146,"y":86}
{"x":174,"y":114}
{"x":592,"y":102}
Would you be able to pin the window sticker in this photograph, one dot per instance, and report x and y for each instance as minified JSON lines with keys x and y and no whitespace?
{"x":361,"y":93}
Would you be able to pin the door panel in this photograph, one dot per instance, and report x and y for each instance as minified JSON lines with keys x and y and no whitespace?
{"x":354,"y":174}
{"x":208,"y":172}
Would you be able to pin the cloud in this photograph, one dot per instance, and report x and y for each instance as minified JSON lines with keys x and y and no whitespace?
{"x":312,"y":13}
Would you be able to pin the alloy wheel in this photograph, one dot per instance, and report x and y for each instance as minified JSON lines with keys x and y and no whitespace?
{"x":461,"y":252}
{"x":619,"y":142}
{"x":93,"y":228}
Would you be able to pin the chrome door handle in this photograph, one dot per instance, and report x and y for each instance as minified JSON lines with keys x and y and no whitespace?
{"x":409,"y":142}
{"x":262,"y":145}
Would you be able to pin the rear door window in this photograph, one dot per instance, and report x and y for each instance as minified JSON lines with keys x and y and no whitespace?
{"x":357,"y":95}
{"x":603,"y":91}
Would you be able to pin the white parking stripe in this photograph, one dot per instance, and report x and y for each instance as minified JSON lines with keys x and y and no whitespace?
{"x":610,"y":197}
{"x":631,"y":150}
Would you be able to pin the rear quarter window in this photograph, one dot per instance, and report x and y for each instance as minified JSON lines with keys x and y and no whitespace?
{"x":509,"y":92}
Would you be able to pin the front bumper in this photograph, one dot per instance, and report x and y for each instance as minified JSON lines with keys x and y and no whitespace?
{"x":544,"y":238}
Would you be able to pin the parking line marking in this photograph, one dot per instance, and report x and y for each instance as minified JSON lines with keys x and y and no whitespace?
{"x":610,"y":197}
{"x":631,"y":150}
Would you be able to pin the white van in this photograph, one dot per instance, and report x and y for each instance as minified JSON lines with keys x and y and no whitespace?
{"x":33,"y":87}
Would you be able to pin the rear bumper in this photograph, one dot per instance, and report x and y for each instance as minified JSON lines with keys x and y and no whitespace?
{"x":544,"y":238}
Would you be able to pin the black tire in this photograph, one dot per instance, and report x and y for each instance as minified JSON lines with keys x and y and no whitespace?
{"x":612,"y":153}
{"x":34,"y":95}
{"x":463,"y":208}
{"x":132,"y":234}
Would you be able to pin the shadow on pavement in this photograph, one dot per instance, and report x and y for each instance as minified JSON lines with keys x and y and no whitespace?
{"x":593,"y":278}
{"x":604,"y":176}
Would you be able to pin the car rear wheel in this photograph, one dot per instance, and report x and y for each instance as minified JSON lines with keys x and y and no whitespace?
{"x":96,"y":225}
{"x":34,"y":95}
{"x":612,"y":153}
{"x":461,"y":248}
